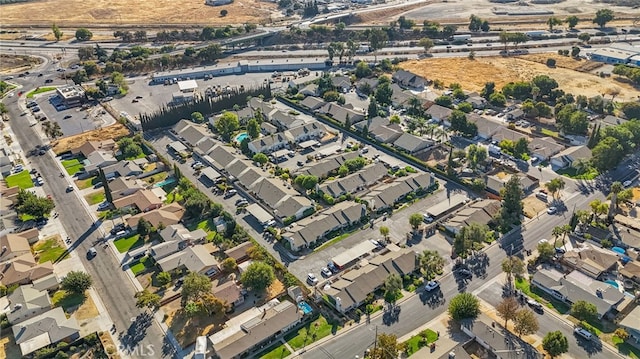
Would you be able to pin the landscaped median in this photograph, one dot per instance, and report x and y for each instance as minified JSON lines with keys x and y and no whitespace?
{"x":40,"y":90}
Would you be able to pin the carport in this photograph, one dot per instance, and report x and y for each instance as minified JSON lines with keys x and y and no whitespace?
{"x":353,"y":254}
{"x":441,"y":208}
{"x":178,"y":147}
{"x":280,"y":154}
{"x":330,"y":150}
{"x":211,"y":174}
{"x":307,"y":144}
{"x":259,"y":213}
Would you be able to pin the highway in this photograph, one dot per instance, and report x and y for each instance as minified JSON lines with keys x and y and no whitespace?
{"x":139,"y":334}
{"x":422,"y":308}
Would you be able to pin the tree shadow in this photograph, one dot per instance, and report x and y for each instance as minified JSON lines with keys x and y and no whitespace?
{"x":391,"y":314}
{"x":136,"y":331}
{"x":433,"y":299}
{"x":591,"y":347}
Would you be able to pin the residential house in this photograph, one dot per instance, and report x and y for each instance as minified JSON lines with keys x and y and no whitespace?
{"x":244,"y":115}
{"x":399,"y":97}
{"x":267,"y":129}
{"x":306,"y":132}
{"x":268,"y":144}
{"x":144,"y":200}
{"x":569,"y":155}
{"x":576,"y":286}
{"x":47,"y":283}
{"x":631,"y":323}
{"x":27,"y":302}
{"x":409,"y":80}
{"x":353,"y":287}
{"x":89,"y":147}
{"x":309,"y":90}
{"x":23,"y":270}
{"x":371,"y":123}
{"x":389,"y":194}
{"x":494,"y":183}
{"x":285,"y":201}
{"x":491,"y":341}
{"x":439,"y":114}
{"x":631,"y":271}
{"x":265,"y":107}
{"x":387,"y":134}
{"x":254,"y":329}
{"x":5,"y":164}
{"x":192,"y":134}
{"x":17,"y":244}
{"x":322,"y":169}
{"x":626,"y":237}
{"x":486,"y":127}
{"x":312,"y":103}
{"x":477,"y":101}
{"x":45,"y":329}
{"x":341,"y":83}
{"x":122,"y":169}
{"x":181,"y":125}
{"x":355,"y":182}
{"x":481,"y":212}
{"x":99,"y":159}
{"x":514,"y":115}
{"x":341,"y":114}
{"x":307,"y":232}
{"x":223,"y":156}
{"x":239,"y":253}
{"x":175,"y":238}
{"x":122,"y":187}
{"x":167,"y":215}
{"x":228,"y":292}
{"x":284,"y":120}
{"x":503,"y":133}
{"x":591,"y":261}
{"x":610,"y":120}
{"x":194,"y":258}
{"x":412,"y":144}
{"x":366,"y":86}
{"x":544,"y":148}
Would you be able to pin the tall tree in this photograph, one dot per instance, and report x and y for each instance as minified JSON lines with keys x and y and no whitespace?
{"x":584,"y":310}
{"x":387,"y":347}
{"x":572,"y":21}
{"x":415,"y":220}
{"x":463,"y":306}
{"x":507,"y":309}
{"x":426,"y":43}
{"x":194,"y":287}
{"x":615,"y":189}
{"x":468,"y":237}
{"x":147,"y":299}
{"x":212,"y":305}
{"x":253,"y":128}
{"x":476,"y":155}
{"x":377,"y":40}
{"x":512,"y":207}
{"x":227,"y":124}
{"x":57,"y":33}
{"x":525,"y":322}
{"x":555,"y":343}
{"x":76,"y":282}
{"x":603,"y":16}
{"x":430,"y":263}
{"x":513,"y":266}
{"x":555,"y":186}
{"x":258,"y":276}
{"x":392,"y":288}
{"x":553,"y":21}
{"x":384,"y":231}
{"x":561,"y":231}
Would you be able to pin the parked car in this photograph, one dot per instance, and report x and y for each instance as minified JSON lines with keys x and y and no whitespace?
{"x":434,"y":284}
{"x":48,"y":81}
{"x":465,"y":273}
{"x":39,"y":181}
{"x":69,"y":188}
{"x":583,"y":333}
{"x":230,"y":193}
{"x":67,"y":117}
{"x":552,"y":210}
{"x":312,"y":279}
{"x":18,"y":169}
{"x":104,"y":205}
{"x":332,"y":267}
{"x":535,"y":305}
{"x":117,"y":228}
{"x":326,"y":272}
{"x":627,"y":183}
{"x":92,"y":253}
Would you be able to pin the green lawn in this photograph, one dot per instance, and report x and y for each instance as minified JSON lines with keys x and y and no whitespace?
{"x":22,"y":180}
{"x":128,"y":243}
{"x":26,"y":217}
{"x":67,"y":300}
{"x":548,"y":132}
{"x":72,"y":166}
{"x":316,"y":330}
{"x":141,"y":265}
{"x":570,"y":172}
{"x":86,"y":183}
{"x":95,"y":197}
{"x":278,"y":352}
{"x":50,"y":250}
{"x":173,"y":197}
{"x":39,"y":91}
{"x":416,"y":342}
{"x":335,"y":240}
{"x":158,"y":177}
{"x":542,"y":297}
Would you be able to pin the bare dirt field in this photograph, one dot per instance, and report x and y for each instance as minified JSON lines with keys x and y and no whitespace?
{"x":473,"y":74}
{"x":10,"y":63}
{"x":114,"y":131}
{"x":125,"y":12}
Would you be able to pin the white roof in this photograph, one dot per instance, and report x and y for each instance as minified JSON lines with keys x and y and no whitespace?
{"x":445,"y":205}
{"x":187,"y":85}
{"x":353,"y":253}
{"x":259,"y":213}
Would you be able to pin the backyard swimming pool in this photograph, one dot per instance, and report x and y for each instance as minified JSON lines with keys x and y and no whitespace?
{"x":241,"y":136}
{"x":169,"y":180}
{"x":611,"y":282}
{"x":305,"y":307}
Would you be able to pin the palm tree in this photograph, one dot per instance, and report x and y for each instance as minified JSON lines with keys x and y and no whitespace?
{"x":430,"y":262}
{"x":430,"y":129}
{"x":441,"y":134}
{"x":414,"y":105}
{"x":561,"y":231}
{"x":421,"y":123}
{"x":598,"y":208}
{"x":581,"y":165}
{"x":616,"y":187}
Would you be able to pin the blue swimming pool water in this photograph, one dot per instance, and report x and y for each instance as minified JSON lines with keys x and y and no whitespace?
{"x":305,"y":307}
{"x":169,"y":180}
{"x":611,"y":282}
{"x":240,"y":137}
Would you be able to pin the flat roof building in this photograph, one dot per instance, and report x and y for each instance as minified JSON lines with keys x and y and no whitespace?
{"x":72,"y":95}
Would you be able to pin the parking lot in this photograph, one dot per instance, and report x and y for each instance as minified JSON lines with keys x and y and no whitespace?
{"x":72,"y":121}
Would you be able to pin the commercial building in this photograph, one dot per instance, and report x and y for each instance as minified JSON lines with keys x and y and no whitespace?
{"x":71,"y":96}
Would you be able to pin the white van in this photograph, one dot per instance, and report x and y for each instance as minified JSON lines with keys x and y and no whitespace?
{"x":542,"y":196}
{"x":583,"y":333}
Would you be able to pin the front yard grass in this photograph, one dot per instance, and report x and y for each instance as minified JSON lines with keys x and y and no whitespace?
{"x":72,"y":166}
{"x":626,"y":348}
{"x":571,"y":172}
{"x":21,"y":179}
{"x":535,"y":293}
{"x":50,"y":249}
{"x":311,"y":332}
{"x":277,"y":352}
{"x":141,"y":265}
{"x":95,"y":197}
{"x":86,"y":183}
{"x":128,"y":243}
{"x":420,"y":340}
{"x":68,"y":301}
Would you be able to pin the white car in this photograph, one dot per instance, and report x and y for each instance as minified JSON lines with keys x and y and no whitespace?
{"x":312,"y":279}
{"x":326,"y":272}
{"x":627,"y":183}
{"x":434,"y":284}
{"x":39,"y":181}
{"x":552,"y":210}
{"x":583,"y":333}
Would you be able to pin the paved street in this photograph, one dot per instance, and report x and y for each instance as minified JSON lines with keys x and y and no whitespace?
{"x":135,"y":329}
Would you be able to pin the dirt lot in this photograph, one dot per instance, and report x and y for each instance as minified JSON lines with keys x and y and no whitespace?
{"x":77,"y":12}
{"x":473,"y":74}
{"x":114,"y":131}
{"x":533,"y":206}
{"x":11,"y":63}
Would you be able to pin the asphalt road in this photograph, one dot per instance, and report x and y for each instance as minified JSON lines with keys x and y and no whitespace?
{"x":357,"y":340}
{"x":578,"y":346}
{"x":135,"y":328}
